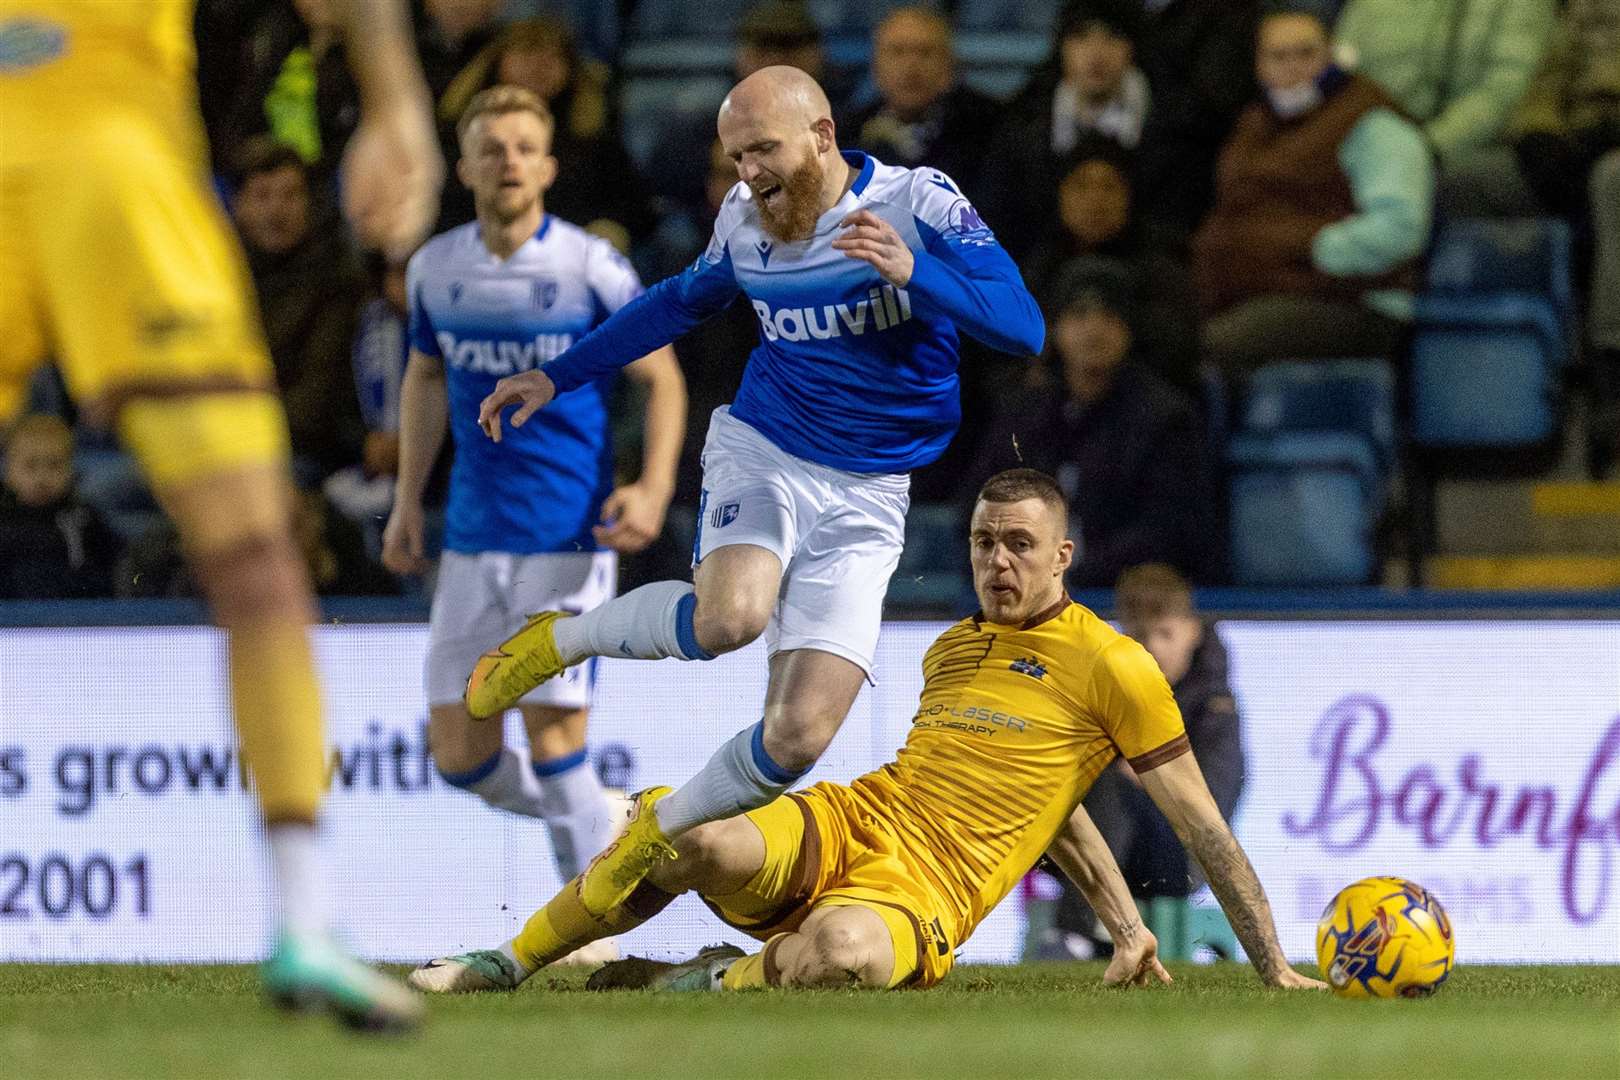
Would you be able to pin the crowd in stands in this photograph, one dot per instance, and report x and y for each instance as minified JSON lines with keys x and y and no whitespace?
{"x":1193,"y":189}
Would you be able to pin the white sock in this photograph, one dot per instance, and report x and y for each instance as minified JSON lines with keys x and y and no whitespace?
{"x":509,"y":951}
{"x":576,"y":810}
{"x":295,"y":851}
{"x":648,"y":623}
{"x":504,"y":781}
{"x":739,"y":777}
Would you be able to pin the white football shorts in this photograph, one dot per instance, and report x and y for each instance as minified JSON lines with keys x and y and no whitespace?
{"x":838,"y":534}
{"x":483,"y":598}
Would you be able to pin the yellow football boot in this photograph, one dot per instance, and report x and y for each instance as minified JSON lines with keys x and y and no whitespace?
{"x":518,"y":665}
{"x":614,"y":874}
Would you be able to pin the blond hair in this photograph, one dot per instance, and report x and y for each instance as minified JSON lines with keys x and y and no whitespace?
{"x":498,"y":101}
{"x":1150,"y":592}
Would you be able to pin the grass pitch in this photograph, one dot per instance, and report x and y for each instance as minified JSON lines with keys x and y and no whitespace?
{"x":1044,"y":1021}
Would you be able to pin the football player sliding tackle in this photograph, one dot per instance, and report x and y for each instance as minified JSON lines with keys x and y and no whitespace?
{"x":875,"y":884}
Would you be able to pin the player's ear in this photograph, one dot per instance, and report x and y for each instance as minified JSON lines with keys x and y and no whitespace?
{"x":548,"y":173}
{"x":1065,"y":557}
{"x":826,"y":134}
{"x":462,"y":169}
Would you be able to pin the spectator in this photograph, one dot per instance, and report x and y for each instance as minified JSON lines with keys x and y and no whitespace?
{"x":1458,"y":67}
{"x":597,"y":186}
{"x":1567,"y":135}
{"x":923,"y":115}
{"x":309,"y":291}
{"x":53,"y":545}
{"x":275,"y":69}
{"x":1126,"y":447}
{"x":1099,"y":222}
{"x":769,"y":32}
{"x":1154,"y":605}
{"x":1091,"y":85}
{"x":364,"y":492}
{"x":783,"y":32}
{"x":1323,"y":198}
{"x":1198,"y":56}
{"x":449,"y":34}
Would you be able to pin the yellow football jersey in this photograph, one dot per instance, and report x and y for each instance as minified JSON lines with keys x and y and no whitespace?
{"x":59,"y":58}
{"x":1013,"y":726}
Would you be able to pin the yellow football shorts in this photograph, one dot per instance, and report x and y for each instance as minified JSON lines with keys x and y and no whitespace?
{"x":822,"y":851}
{"x":117,"y":262}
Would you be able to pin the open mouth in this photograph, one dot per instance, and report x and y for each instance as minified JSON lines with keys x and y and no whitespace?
{"x":769,"y":194}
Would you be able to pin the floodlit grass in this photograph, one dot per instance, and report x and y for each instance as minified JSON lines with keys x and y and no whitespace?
{"x":1032,"y":1021}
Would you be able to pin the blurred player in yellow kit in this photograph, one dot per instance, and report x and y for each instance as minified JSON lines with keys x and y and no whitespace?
{"x":877,"y":882}
{"x":116,"y":261}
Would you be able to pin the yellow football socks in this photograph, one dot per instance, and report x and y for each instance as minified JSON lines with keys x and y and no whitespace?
{"x":278,"y":717}
{"x":564,"y":925}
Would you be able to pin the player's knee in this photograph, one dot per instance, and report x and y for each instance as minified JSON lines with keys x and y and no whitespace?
{"x":729,"y":621}
{"x":798,"y":741}
{"x":259,"y":579}
{"x":842,"y":953}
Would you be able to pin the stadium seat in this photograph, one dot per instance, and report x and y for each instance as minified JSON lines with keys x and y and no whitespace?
{"x":1324,"y":395}
{"x":1309,"y":460}
{"x":647,"y":106}
{"x":1304,"y":507}
{"x":1030,"y":16}
{"x":932,"y":574}
{"x":998,"y":63}
{"x":1494,"y":330}
{"x":659,"y":19}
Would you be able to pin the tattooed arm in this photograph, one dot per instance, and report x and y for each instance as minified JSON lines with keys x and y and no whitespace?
{"x":1178,"y":788}
{"x":1082,"y":854}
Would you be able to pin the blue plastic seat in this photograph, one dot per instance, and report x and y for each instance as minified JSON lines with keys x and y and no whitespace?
{"x":1304,"y":507}
{"x":1035,"y":16}
{"x":1324,"y":395}
{"x":1493,"y":332}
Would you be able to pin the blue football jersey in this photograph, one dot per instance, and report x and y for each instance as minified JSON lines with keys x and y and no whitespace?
{"x":540,"y":489}
{"x":850,"y":371}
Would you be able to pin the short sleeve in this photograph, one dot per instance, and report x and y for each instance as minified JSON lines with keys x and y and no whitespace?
{"x":419,"y":328}
{"x":944,"y":214}
{"x":610,"y":276}
{"x":1135,"y":707}
{"x":732,"y":212}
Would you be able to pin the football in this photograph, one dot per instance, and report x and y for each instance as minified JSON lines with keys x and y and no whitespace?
{"x":1385,"y":937}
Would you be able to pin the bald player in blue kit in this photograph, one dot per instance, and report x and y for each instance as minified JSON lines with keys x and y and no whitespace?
{"x":861,"y":275}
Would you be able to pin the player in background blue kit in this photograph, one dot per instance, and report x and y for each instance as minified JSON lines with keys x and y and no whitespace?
{"x":861,"y":275}
{"x":534,"y":522}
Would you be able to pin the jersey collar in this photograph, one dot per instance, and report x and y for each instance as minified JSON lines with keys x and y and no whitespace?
{"x":1058,"y":607}
{"x":865,"y":164}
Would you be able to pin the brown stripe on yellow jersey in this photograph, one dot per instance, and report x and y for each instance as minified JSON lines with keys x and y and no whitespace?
{"x":1013,"y":726}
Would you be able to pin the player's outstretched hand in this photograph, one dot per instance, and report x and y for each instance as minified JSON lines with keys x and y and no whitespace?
{"x":1289,"y":979}
{"x":634,"y":517}
{"x":871,"y":239}
{"x":392,"y":176}
{"x":529,"y":390}
{"x":1136,"y":961}
{"x":403,"y":547}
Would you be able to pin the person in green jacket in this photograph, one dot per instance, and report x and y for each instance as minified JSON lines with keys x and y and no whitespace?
{"x":1459,"y":68}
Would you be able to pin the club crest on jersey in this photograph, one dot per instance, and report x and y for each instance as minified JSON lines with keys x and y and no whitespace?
{"x":1028,"y":665}
{"x":881,"y":309}
{"x":724,"y":515}
{"x":543,"y":292}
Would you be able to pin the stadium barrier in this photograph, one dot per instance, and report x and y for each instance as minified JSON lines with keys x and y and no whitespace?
{"x":1481,"y":758}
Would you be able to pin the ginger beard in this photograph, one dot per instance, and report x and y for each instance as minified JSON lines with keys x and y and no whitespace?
{"x":790,"y":214}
